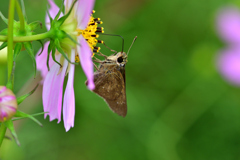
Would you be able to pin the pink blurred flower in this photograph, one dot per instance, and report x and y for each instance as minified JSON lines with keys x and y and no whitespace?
{"x":53,"y":80}
{"x":228,"y":26}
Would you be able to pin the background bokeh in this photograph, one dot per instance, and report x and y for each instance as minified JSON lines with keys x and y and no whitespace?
{"x":179,"y":106}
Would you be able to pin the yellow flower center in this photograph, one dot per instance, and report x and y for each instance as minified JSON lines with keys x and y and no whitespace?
{"x":77,"y":59}
{"x":90,"y":33}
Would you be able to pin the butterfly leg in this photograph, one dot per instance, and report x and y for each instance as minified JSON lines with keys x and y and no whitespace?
{"x":97,"y":60}
{"x":100,"y":54}
{"x":109,"y":48}
{"x":95,"y":66}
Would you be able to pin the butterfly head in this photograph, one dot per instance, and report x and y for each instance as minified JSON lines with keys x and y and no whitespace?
{"x":120,"y":59}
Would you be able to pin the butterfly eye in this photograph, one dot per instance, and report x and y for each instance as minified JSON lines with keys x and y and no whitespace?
{"x":120,"y":59}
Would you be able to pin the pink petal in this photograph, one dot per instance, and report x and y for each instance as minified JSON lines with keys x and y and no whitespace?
{"x":7,"y":99}
{"x":3,"y":114}
{"x":9,"y":108}
{"x":3,"y":90}
{"x":69,"y":98}
{"x":228,"y":24}
{"x":84,"y":11}
{"x":42,"y":60}
{"x":53,"y":10}
{"x":52,"y":91}
{"x":85,"y":55}
{"x":229,"y":66}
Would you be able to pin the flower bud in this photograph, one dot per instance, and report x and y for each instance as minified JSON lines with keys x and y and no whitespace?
{"x":8,"y":104}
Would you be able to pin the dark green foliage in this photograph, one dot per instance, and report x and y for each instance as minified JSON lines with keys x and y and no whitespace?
{"x":179,"y":106}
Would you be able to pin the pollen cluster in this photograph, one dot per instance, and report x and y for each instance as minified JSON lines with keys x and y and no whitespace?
{"x":77,"y":60}
{"x":90,"y":33}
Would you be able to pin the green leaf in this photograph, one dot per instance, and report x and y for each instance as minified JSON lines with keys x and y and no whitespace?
{"x":63,"y":18}
{"x":50,"y":46}
{"x":3,"y":18}
{"x":4,"y":44}
{"x":50,"y":18}
{"x":23,"y":97}
{"x":25,"y":115}
{"x":17,"y":50}
{"x":35,"y":25}
{"x":67,"y":35}
{"x":63,"y":7}
{"x":29,"y":48}
{"x":9,"y":125}
{"x":59,"y":12}
{"x":9,"y":84}
{"x":33,"y":115}
{"x":41,"y":47}
{"x":57,"y":44}
{"x":53,"y":56}
{"x":4,"y":32}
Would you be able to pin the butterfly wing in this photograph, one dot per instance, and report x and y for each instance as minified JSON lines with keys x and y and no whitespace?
{"x":110,"y":85}
{"x":122,"y":70}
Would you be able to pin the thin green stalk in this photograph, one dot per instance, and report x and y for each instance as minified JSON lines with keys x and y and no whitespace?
{"x":21,"y":17}
{"x":23,"y":9}
{"x":27,"y":38}
{"x":10,"y":37}
{"x":3,"y":128}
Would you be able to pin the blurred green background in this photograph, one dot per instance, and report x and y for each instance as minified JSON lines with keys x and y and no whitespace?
{"x":179,"y":106}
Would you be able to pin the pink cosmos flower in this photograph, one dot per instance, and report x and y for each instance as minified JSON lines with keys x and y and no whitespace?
{"x":53,"y":80}
{"x":228,"y":26}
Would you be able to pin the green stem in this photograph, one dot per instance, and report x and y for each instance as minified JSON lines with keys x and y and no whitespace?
{"x":23,"y":9}
{"x":28,"y":38}
{"x":21,"y":17}
{"x":3,"y":130}
{"x":10,"y":37}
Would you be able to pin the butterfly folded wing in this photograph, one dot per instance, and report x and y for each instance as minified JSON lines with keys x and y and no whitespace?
{"x":110,"y":85}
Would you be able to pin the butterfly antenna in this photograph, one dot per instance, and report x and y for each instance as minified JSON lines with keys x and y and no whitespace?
{"x":116,"y":35}
{"x":132,"y":44}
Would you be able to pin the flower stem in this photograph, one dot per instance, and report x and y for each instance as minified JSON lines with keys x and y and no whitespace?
{"x":3,"y":130}
{"x":23,"y":9}
{"x":27,"y":38}
{"x":21,"y":17}
{"x":10,"y":37}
